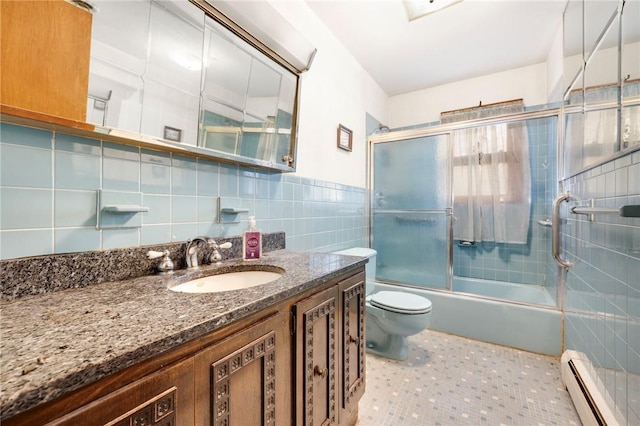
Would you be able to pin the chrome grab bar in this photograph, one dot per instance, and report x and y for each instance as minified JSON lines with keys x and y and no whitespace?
{"x":555,"y":231}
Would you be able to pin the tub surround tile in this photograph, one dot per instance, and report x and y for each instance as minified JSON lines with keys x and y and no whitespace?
{"x":87,"y":334}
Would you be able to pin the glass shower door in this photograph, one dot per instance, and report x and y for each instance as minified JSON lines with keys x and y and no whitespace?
{"x":411,"y":210}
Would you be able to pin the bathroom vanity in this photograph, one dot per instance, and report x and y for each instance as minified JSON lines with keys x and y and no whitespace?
{"x":134,"y":352}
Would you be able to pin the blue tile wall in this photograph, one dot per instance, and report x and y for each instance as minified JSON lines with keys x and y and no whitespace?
{"x":529,"y":263}
{"x":603,"y":286}
{"x":49,"y":183}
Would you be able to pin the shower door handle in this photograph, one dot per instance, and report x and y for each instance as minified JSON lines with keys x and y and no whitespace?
{"x":555,"y":231}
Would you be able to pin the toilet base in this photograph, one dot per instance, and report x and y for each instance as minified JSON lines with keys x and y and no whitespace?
{"x":393,"y":347}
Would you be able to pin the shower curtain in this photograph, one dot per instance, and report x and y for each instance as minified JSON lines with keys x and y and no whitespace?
{"x":491,"y":178}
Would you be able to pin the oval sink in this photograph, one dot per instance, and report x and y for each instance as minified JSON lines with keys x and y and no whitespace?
{"x":227,"y":282}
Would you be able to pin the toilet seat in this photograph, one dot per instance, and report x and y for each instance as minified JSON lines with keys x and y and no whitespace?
{"x":402,"y":303}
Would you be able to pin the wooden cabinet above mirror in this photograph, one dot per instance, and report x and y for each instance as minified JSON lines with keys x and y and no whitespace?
{"x":45,"y":58}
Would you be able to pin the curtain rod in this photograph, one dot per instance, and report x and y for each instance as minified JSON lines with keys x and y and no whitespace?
{"x":494,"y":104}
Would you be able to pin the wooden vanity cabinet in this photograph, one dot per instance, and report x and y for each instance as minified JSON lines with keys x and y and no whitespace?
{"x":330,"y":354}
{"x":45,"y":58}
{"x":352,"y":355}
{"x":300,"y":361}
{"x":246,"y":378}
{"x":164,"y":398}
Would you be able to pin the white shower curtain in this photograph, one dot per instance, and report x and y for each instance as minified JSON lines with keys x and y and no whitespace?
{"x":492,"y":183}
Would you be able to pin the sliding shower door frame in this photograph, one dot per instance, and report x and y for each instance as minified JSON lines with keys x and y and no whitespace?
{"x":447,"y":211}
{"x":446,"y":130}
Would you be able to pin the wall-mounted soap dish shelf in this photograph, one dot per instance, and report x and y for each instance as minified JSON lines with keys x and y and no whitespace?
{"x":119,"y":209}
{"x":125,"y":209}
{"x":233,"y":210}
{"x":230,"y":210}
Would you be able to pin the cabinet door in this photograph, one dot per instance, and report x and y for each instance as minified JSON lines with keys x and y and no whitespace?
{"x":244,"y":379}
{"x":316,"y":344}
{"x":45,"y":57}
{"x":352,"y":362}
{"x":161,"y":399}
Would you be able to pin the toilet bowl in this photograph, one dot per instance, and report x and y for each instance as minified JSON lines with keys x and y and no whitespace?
{"x":391,"y":316}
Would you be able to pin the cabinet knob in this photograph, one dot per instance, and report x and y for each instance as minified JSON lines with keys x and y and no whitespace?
{"x":322,"y":373}
{"x":355,"y":340}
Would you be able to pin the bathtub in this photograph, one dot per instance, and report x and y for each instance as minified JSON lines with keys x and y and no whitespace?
{"x":523,"y":293}
{"x":514,"y":324}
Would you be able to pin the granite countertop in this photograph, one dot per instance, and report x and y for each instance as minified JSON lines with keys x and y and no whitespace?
{"x":54,"y":343}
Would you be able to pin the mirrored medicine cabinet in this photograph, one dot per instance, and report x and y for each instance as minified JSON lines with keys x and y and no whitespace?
{"x":181,"y":73}
{"x":602,"y":80}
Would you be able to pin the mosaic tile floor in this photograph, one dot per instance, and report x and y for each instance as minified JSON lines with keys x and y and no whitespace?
{"x":451,"y":380}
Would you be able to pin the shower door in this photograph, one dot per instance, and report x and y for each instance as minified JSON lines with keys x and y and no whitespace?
{"x":411,"y":210}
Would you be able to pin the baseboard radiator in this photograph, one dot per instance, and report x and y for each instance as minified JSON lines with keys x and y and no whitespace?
{"x":586,"y":390}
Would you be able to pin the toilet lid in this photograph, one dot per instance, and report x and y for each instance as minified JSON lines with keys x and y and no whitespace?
{"x":396,"y":301}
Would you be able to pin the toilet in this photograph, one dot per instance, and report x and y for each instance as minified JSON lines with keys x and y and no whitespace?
{"x":391,"y":316}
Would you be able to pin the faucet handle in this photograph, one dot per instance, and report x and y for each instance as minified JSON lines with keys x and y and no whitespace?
{"x":154,"y":254}
{"x":166,"y":264}
{"x":216,"y":256}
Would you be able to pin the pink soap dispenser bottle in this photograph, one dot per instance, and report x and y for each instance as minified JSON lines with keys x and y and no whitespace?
{"x":252,"y":241}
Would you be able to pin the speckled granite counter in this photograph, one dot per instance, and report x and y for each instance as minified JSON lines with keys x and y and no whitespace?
{"x":55,"y":343}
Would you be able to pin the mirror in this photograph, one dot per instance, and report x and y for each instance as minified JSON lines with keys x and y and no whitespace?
{"x":630,"y":69}
{"x":118,"y":59}
{"x":603,"y":110}
{"x":602,"y":91}
{"x":171,"y":71}
{"x":573,"y":46}
{"x":247,"y":100}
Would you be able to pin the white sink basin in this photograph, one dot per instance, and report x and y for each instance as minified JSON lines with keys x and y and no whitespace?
{"x":227,"y":282}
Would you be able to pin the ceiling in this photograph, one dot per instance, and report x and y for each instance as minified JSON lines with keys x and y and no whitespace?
{"x":466,"y":40}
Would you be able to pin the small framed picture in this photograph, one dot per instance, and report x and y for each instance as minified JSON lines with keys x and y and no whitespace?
{"x":345,"y":138}
{"x":172,"y":134}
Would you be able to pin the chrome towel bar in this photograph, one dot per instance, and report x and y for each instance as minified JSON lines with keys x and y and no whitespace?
{"x":630,"y":210}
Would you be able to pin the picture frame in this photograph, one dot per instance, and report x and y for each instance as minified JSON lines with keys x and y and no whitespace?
{"x":345,"y":138}
{"x":172,"y":134}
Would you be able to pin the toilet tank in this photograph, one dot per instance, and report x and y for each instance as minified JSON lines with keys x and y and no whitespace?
{"x":370,"y":268}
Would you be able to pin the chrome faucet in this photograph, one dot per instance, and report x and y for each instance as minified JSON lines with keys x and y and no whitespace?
{"x":192,"y":251}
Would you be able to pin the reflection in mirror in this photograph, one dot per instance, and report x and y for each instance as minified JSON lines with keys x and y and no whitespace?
{"x":247,"y":100}
{"x":598,"y":15}
{"x":630,"y":68}
{"x":173,"y":73}
{"x":118,"y":59}
{"x":600,"y":137}
{"x":573,"y":45}
{"x":601,"y":69}
{"x":168,"y":70}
